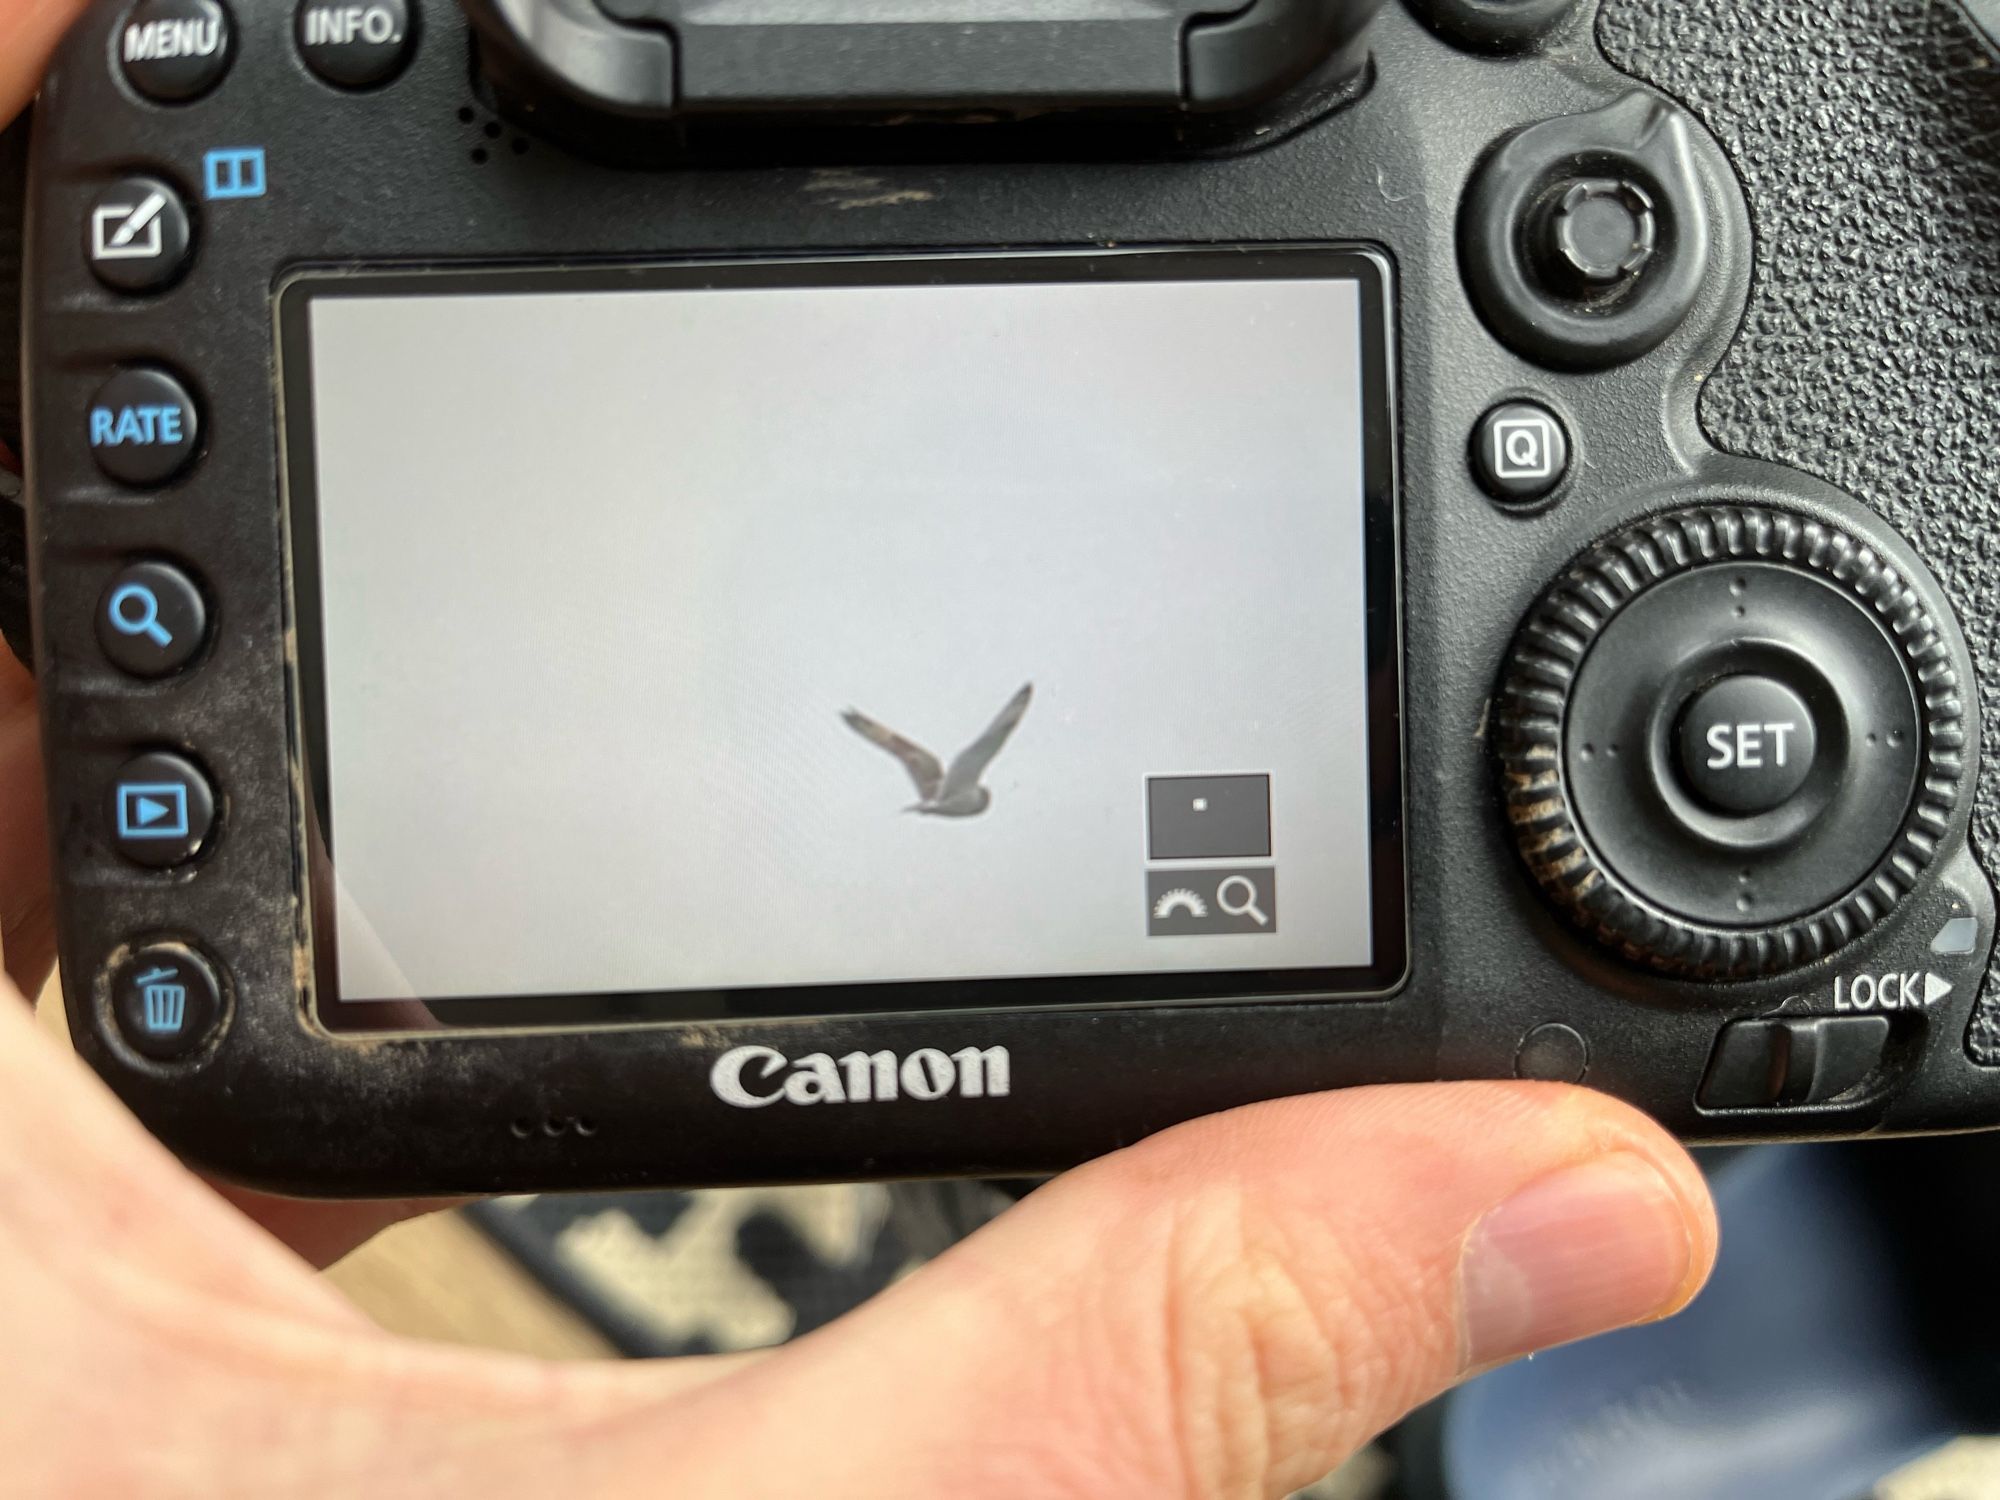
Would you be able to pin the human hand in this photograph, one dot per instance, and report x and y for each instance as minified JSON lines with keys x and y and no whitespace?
{"x":1229,"y":1308}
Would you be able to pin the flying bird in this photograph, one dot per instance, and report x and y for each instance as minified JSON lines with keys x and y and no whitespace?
{"x":956,"y":792}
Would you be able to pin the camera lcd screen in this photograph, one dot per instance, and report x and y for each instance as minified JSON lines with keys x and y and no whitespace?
{"x":852,"y":635}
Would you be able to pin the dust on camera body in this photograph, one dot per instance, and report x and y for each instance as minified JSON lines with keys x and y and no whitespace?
{"x":631,"y":594}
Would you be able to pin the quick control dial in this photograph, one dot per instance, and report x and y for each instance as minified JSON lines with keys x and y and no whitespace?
{"x":1730,"y":740}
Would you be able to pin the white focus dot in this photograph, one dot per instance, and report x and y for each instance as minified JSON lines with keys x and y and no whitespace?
{"x":1201,"y":804}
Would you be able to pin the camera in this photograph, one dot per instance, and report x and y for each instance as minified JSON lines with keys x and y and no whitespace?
{"x":627,"y":591}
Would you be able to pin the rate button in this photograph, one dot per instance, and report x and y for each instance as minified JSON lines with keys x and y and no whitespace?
{"x":1747,"y":744}
{"x":142,"y":427}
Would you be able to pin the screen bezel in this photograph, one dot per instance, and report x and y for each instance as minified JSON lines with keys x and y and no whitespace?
{"x":1367,"y":270}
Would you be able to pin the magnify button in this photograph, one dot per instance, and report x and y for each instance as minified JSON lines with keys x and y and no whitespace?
{"x":135,"y":610}
{"x":151,"y":620}
{"x":1237,"y":896}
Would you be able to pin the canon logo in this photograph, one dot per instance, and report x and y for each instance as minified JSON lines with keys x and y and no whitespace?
{"x":752,"y":1077}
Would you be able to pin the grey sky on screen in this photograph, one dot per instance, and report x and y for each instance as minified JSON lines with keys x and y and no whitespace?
{"x":601,"y":571}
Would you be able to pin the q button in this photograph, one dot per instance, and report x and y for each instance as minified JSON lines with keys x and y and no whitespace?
{"x":1520,"y":452}
{"x":151,"y":620}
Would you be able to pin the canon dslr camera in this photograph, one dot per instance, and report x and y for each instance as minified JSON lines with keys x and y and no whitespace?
{"x":628,"y":591}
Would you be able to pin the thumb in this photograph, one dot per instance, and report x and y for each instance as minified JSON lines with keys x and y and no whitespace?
{"x":1230,"y":1308}
{"x":29,"y":31}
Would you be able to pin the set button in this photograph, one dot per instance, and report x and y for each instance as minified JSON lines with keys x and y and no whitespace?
{"x":143,"y":426}
{"x":175,"y":50}
{"x":151,"y":620}
{"x":138,"y":238}
{"x":162,"y":810}
{"x":1747,"y":744}
{"x":166,"y":999}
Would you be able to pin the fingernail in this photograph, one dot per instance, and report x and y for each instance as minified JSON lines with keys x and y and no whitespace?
{"x":1592,"y":1247}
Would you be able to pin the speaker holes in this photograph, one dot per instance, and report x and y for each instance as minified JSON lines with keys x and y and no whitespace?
{"x":552,"y":1127}
{"x":489,"y":129}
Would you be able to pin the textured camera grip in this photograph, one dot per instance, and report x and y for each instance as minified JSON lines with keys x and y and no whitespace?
{"x":1867,"y":138}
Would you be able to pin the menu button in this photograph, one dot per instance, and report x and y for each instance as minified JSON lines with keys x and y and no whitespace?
{"x":174,"y":50}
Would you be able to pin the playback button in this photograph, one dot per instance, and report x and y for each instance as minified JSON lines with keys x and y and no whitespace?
{"x":162,"y":809}
{"x":151,"y":620}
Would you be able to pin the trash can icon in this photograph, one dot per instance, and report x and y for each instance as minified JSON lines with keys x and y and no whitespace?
{"x":164,"y":1003}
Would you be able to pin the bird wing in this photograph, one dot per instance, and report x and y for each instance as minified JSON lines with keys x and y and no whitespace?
{"x":920,"y":763}
{"x":972,"y":761}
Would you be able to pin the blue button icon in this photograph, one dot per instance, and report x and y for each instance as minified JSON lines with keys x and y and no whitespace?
{"x":137,"y":426}
{"x":135,"y":610}
{"x":163,"y":1004}
{"x":234,"y":172}
{"x":152,"y":810}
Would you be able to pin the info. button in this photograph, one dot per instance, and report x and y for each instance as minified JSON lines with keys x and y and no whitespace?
{"x":354,"y":46}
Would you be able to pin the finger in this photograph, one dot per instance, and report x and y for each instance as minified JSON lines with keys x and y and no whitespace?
{"x":29,"y":31}
{"x":83,"y":1184}
{"x":27,"y":920}
{"x":71,"y":1159}
{"x":1230,"y":1308}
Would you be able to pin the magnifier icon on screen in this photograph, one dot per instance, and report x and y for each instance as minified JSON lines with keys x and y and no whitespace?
{"x":145,"y":619}
{"x":1245,"y":903}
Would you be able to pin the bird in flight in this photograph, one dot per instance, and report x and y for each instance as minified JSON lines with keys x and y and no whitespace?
{"x":942,"y":792}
